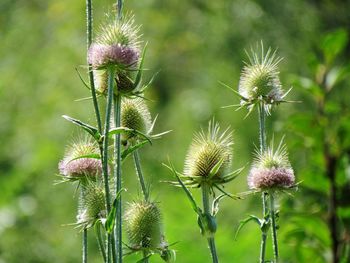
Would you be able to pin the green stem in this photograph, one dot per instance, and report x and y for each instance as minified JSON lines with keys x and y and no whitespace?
{"x":274,"y":228}
{"x":140,"y":174}
{"x":206,"y":208}
{"x":145,"y":258}
{"x":84,"y":237}
{"x":264,"y":195}
{"x":118,"y":180}
{"x":85,"y":246}
{"x":91,"y":74}
{"x":119,"y":9}
{"x":100,"y":242}
{"x":262,"y":131}
{"x":105,"y":152}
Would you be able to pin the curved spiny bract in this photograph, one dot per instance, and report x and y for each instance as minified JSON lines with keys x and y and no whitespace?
{"x":209,"y":157}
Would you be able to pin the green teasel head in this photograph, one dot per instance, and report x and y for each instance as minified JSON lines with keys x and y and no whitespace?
{"x":123,"y":82}
{"x":259,"y":81}
{"x":92,"y":205}
{"x":80,"y":160}
{"x":209,"y":157}
{"x":136,"y":116}
{"x":271,"y":170}
{"x":144,"y":227}
{"x":117,"y":43}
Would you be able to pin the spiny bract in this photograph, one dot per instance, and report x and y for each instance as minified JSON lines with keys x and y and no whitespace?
{"x":116,"y":43}
{"x":144,"y":225}
{"x":271,"y":170}
{"x":135,"y":115}
{"x":91,"y":205}
{"x":259,"y":79}
{"x":207,"y":151}
{"x":81,"y":167}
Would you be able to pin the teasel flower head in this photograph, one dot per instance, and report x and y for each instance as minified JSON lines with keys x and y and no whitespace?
{"x":91,"y":205}
{"x":136,"y":116}
{"x":75,"y":166}
{"x":271,"y":170}
{"x":117,"y":44}
{"x":259,"y":81}
{"x":209,"y":157}
{"x":144,"y":228}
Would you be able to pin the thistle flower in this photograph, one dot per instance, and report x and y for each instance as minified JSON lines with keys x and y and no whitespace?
{"x":91,"y":205}
{"x":271,"y":170}
{"x":144,"y":226}
{"x":259,"y":81}
{"x":209,"y":157}
{"x":136,"y":116}
{"x":74,"y":167}
{"x":116,"y":44}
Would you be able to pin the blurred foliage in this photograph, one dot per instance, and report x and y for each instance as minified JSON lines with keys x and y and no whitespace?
{"x":194,"y":44}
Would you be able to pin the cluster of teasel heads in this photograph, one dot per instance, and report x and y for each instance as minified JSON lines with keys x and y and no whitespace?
{"x":209,"y":158}
{"x":115,"y":63}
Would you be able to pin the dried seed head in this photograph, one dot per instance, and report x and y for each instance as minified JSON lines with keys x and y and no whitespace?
{"x":116,"y":43}
{"x":259,"y":79}
{"x":135,"y":115}
{"x":271,"y":170}
{"x":144,"y":225}
{"x":81,"y":167}
{"x":206,"y":151}
{"x":91,"y":205}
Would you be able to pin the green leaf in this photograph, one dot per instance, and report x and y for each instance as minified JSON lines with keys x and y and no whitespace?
{"x":92,"y":156}
{"x":90,"y":129}
{"x":132,"y":148}
{"x":100,"y":239}
{"x":188,"y":193}
{"x":145,"y":259}
{"x":110,"y":222}
{"x":139,"y":72}
{"x":215,"y":206}
{"x":125,"y":129}
{"x":334,"y":43}
{"x":243,"y":222}
{"x":82,"y":80}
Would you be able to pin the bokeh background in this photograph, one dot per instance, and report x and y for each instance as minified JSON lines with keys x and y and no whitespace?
{"x":193,"y":44}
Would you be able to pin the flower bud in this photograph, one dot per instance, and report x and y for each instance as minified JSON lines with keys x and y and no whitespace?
{"x":271,"y":170}
{"x":144,"y":226}
{"x":207,"y":151}
{"x":91,"y":205}
{"x":136,"y":116}
{"x":74,"y":167}
{"x":259,"y":79}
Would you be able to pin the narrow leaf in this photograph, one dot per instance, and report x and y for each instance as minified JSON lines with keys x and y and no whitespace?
{"x":90,"y":129}
{"x":188,"y":193}
{"x":92,"y":156}
{"x":215,"y":206}
{"x":131,"y":149}
{"x":243,"y":222}
{"x":215,"y":169}
{"x":109,"y":225}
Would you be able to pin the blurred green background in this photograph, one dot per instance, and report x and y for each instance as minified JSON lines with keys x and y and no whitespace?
{"x":194,"y":44}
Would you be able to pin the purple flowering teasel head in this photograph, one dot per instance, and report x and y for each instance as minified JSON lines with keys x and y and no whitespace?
{"x":117,"y":43}
{"x":271,"y":170}
{"x":73,"y":167}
